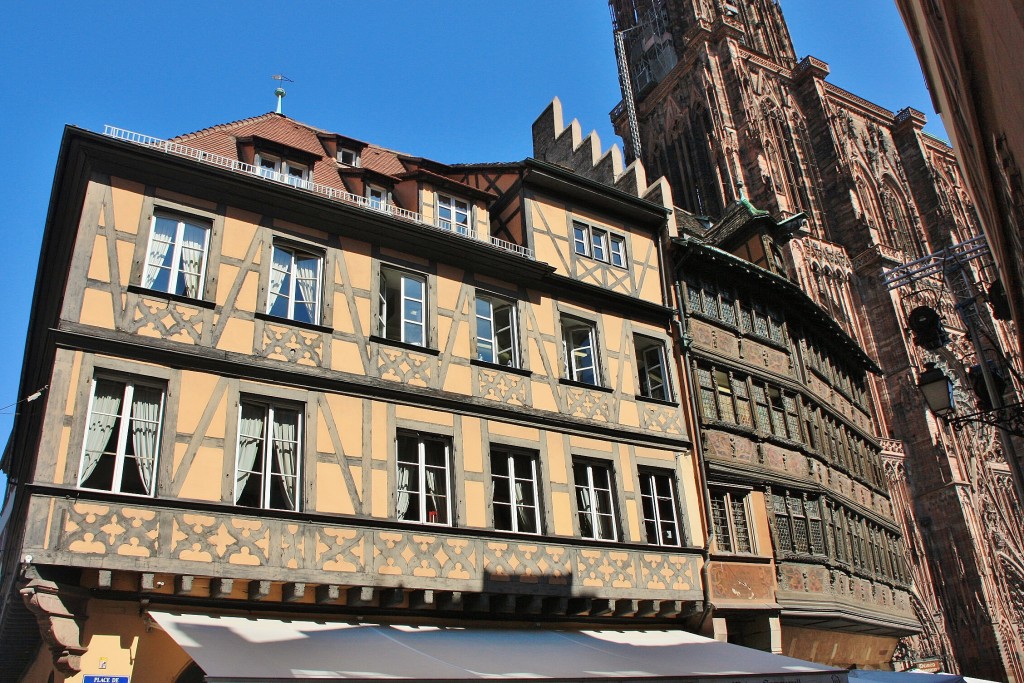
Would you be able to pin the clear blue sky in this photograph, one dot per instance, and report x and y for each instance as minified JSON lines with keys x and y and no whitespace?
{"x":457,"y":81}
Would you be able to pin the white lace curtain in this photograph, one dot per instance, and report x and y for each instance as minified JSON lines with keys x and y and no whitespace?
{"x":404,"y":476}
{"x":286,"y":433}
{"x":146,"y":431}
{"x":193,"y":246}
{"x":159,"y":246}
{"x":523,"y":512}
{"x":106,"y":407}
{"x":307,"y":277}
{"x":278,"y":274}
{"x":250,"y":441}
{"x":586,"y":511}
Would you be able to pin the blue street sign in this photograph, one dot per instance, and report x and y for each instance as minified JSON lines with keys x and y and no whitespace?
{"x":106,"y":679}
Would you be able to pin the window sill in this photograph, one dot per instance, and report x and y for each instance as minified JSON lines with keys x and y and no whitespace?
{"x":504,"y":368}
{"x":294,"y":323}
{"x":657,"y":401}
{"x":404,"y":345}
{"x":179,"y":298}
{"x":583,"y":385}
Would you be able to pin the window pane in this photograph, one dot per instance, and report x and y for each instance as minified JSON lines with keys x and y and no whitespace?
{"x":484,"y":331}
{"x":279,"y":298}
{"x":161,"y":254}
{"x":505,"y":335}
{"x":307,"y":288}
{"x":720,"y":522}
{"x":579,"y":233}
{"x":407,"y":504}
{"x":618,"y":247}
{"x":412,"y":310}
{"x":582,"y":355}
{"x":739,"y":521}
{"x":599,"y":240}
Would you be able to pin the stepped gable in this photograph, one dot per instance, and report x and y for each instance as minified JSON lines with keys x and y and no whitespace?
{"x":556,"y":143}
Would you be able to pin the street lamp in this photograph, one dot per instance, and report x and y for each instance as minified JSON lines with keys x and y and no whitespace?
{"x":937,"y":390}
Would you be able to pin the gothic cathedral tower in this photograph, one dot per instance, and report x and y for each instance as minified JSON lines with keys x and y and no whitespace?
{"x":716,"y":101}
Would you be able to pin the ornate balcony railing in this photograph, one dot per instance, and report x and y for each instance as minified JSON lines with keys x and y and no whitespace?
{"x":377,"y":206}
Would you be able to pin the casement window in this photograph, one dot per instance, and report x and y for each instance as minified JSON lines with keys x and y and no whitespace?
{"x":402,"y":307}
{"x":376,"y":197}
{"x":453,"y":214}
{"x":348,"y":157}
{"x":717,"y":391}
{"x":268,"y":461}
{"x":723,"y":385}
{"x":497,"y":334}
{"x":122,"y":437}
{"x":579,"y":346}
{"x":581,"y":239}
{"x":423,"y":479}
{"x":176,"y":257}
{"x":798,"y":524}
{"x":294,"y":291}
{"x":617,"y":246}
{"x":282,"y":170}
{"x":741,"y":396}
{"x":599,"y":244}
{"x":658,"y":500}
{"x":708,"y":398}
{"x":595,"y":500}
{"x":731,"y":521}
{"x":516,"y":498}
{"x":651,"y":368}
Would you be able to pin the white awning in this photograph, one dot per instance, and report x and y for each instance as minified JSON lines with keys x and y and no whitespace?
{"x":238,"y":649}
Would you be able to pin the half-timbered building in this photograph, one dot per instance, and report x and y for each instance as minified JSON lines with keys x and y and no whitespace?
{"x":289,"y":373}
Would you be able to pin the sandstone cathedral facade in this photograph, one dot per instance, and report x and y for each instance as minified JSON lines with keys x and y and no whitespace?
{"x":716,"y":101}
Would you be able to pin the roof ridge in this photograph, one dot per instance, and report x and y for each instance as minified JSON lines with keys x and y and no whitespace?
{"x":223,"y":126}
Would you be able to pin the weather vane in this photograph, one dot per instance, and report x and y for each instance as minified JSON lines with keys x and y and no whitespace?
{"x":281,"y":79}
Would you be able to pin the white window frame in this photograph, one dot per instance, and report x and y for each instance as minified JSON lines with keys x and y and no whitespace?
{"x":592,"y":489}
{"x":380,"y":203}
{"x":617,"y":250}
{"x":579,"y":336}
{"x":581,"y":238}
{"x":450,"y":203}
{"x":124,"y":420}
{"x":599,"y":244}
{"x":512,"y":456}
{"x":406,"y":305}
{"x":645,"y":348}
{"x":354,"y":154}
{"x":422,"y":515}
{"x":649,"y":494}
{"x":295,"y":253}
{"x":176,"y":248}
{"x":265,"y":465}
{"x":282,"y":170}
{"x":730,"y":498}
{"x":487,"y":318}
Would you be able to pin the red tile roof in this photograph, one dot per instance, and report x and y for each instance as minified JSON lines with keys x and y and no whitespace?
{"x":223,"y":140}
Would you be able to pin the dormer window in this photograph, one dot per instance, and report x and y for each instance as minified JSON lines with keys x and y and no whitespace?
{"x":282,"y":170}
{"x":376,"y":198}
{"x":348,"y":157}
{"x":453,"y":214}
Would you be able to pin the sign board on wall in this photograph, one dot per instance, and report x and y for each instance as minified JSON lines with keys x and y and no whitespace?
{"x":106,"y":679}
